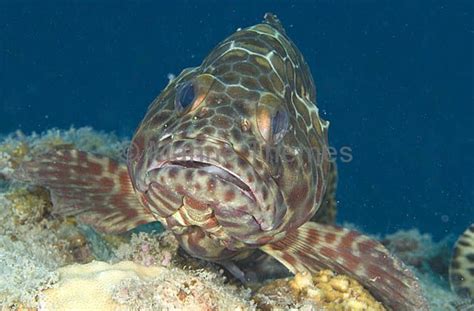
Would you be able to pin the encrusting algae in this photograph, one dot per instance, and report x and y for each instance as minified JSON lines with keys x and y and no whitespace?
{"x":28,"y":205}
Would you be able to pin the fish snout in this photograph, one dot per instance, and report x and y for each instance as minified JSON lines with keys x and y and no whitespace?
{"x":189,"y":180}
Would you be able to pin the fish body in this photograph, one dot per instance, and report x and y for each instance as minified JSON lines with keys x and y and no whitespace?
{"x":231,"y":157}
{"x":461,"y":269}
{"x":247,"y":159}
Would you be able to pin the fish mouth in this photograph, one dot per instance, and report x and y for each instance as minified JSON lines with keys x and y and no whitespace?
{"x":210,"y":173}
{"x":215,"y":169}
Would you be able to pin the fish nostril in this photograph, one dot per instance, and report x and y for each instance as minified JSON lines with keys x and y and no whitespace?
{"x":245,"y":125}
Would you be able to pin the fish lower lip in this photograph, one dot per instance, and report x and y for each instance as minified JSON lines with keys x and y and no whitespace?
{"x":218,"y":171}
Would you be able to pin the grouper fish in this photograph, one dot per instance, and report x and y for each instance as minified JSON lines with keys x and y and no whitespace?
{"x":232,"y":157}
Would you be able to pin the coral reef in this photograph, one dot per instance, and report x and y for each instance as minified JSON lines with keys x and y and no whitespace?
{"x":181,"y":289}
{"x":22,"y":276}
{"x":324,"y":290}
{"x":28,"y":205}
{"x":30,"y":250}
{"x":33,"y":245}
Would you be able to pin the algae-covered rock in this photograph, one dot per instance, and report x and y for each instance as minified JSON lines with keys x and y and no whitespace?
{"x":324,"y":290}
{"x":149,"y":249}
{"x":33,"y":246}
{"x":29,"y":205}
{"x":25,"y":269}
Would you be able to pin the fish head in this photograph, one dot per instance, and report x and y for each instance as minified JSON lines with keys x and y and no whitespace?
{"x":226,"y":148}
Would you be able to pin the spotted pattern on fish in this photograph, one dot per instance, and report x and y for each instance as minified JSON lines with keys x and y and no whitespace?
{"x":461,"y":270}
{"x":231,"y":157}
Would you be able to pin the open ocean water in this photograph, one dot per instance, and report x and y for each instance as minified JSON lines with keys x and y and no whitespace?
{"x":394,"y":78}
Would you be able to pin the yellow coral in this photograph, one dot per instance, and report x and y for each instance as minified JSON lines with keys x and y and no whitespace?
{"x":324,"y":290}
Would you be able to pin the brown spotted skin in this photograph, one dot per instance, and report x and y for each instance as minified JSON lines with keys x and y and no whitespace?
{"x":254,"y":72}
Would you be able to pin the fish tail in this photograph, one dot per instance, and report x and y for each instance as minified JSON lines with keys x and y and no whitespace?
{"x":314,"y":246}
{"x":95,"y":188}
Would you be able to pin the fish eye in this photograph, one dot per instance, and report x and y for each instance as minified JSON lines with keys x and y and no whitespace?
{"x":191,"y":93}
{"x":185,"y":96}
{"x":279,"y":125}
{"x":272,"y":124}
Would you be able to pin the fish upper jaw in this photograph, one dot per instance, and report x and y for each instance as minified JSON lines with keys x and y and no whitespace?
{"x":203,"y":164}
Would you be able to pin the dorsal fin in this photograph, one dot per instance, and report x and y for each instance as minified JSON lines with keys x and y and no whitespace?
{"x":272,"y":20}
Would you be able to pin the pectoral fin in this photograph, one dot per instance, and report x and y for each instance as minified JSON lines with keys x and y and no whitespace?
{"x":96,"y":188}
{"x":314,"y":246}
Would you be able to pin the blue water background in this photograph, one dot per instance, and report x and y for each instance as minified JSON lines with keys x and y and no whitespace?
{"x":395,"y":78}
